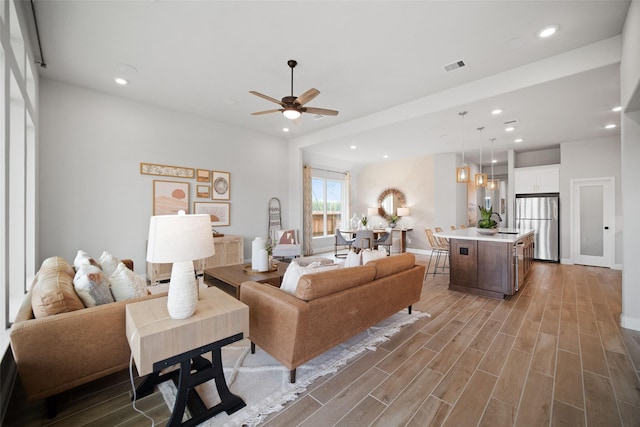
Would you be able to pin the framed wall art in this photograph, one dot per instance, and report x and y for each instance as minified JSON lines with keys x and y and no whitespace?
{"x":221,"y":185}
{"x":166,"y":170}
{"x":218,"y":211}
{"x":203,"y":175}
{"x":203,"y":191}
{"x":169,"y":197}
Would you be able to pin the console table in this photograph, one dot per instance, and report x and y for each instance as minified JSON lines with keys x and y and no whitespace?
{"x":157,"y":342}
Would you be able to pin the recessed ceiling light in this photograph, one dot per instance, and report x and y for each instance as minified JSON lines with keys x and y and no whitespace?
{"x":121,"y":81}
{"x":547,"y":31}
{"x":496,"y":111}
{"x":285,"y":129}
{"x":353,"y":147}
{"x":610,"y":126}
{"x":517,"y":140}
{"x":509,"y":129}
{"x":616,"y":109}
{"x":494,"y":161}
{"x":385,"y":156}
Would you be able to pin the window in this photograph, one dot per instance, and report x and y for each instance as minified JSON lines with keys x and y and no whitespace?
{"x":327,"y":205}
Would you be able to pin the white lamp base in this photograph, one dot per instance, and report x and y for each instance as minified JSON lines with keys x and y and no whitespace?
{"x":183,"y":291}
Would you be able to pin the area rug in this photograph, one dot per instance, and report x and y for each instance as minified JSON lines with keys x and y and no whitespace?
{"x":263,"y":383}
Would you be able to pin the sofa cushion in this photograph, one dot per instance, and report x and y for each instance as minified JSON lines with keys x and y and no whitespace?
{"x":295,"y":271}
{"x":393,"y":264}
{"x":108,"y":263}
{"x":83,"y":258}
{"x":370,"y":255}
{"x":92,"y":286}
{"x":53,"y":292}
{"x":125,"y":284}
{"x":353,"y":259}
{"x":317,"y":285}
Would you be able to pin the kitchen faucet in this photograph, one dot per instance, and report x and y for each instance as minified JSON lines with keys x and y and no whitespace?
{"x":499,"y":217}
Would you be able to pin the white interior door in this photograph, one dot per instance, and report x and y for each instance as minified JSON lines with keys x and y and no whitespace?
{"x":592,"y":231}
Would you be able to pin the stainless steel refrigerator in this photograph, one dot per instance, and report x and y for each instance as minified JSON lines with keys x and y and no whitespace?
{"x":541,"y":212}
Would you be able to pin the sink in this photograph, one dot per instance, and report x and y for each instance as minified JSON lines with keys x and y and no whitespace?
{"x":508,"y":231}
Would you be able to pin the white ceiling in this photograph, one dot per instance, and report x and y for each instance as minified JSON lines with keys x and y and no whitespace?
{"x":380,"y":63}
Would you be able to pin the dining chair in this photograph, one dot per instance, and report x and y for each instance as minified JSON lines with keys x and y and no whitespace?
{"x":385,"y":239}
{"x":364,"y":239}
{"x":439,"y":251}
{"x":441,"y":240}
{"x":342,"y":242}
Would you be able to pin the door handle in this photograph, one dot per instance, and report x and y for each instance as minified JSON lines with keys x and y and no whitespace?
{"x":606,"y":228}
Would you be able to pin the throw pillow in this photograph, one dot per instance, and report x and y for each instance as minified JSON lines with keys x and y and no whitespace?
{"x":53,"y":293}
{"x":295,"y":271}
{"x":83,"y":258}
{"x":108,"y":263}
{"x":307,"y":260}
{"x":92,"y":286}
{"x":288,"y":237}
{"x":369,"y":255}
{"x":125,"y":284}
{"x":353,"y":259}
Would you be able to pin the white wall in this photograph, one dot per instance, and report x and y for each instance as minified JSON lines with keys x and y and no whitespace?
{"x":92,"y":195}
{"x":630,"y":96}
{"x":595,"y":158}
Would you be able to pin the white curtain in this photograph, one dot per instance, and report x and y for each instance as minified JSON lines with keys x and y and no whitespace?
{"x":307,"y":214}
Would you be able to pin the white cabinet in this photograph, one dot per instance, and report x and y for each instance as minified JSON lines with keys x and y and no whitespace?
{"x":229,"y":251}
{"x":538,"y":179}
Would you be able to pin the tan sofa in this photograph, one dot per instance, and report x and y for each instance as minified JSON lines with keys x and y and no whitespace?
{"x":61,"y":351}
{"x":329,"y":307}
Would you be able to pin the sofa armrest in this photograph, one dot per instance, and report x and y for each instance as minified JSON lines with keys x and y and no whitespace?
{"x":56,"y":353}
{"x":277,"y":320}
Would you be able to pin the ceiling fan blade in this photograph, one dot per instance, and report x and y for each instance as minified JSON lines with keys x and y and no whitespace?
{"x":307,"y":96}
{"x":323,"y":111}
{"x":257,"y":113}
{"x":268,"y":98}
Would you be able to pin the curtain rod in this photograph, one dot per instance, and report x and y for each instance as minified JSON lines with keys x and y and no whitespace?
{"x":327,"y":170}
{"x":43,"y":64}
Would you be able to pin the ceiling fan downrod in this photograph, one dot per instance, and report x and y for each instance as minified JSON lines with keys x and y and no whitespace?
{"x":292,"y":64}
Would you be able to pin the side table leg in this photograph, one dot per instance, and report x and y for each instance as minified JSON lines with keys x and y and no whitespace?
{"x":183,"y":392}
{"x":230,"y":402}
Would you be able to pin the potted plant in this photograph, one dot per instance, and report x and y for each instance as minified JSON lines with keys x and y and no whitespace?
{"x":364,"y":220}
{"x":487,"y":225}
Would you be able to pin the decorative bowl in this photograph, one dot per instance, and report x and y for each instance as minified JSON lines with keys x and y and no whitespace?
{"x":487,"y":231}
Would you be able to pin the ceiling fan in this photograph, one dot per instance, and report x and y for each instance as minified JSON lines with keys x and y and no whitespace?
{"x":293,"y":107}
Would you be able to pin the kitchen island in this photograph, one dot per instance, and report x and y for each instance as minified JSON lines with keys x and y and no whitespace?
{"x":490,"y":265}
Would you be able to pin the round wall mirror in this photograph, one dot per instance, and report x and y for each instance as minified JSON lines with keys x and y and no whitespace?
{"x":389,"y":201}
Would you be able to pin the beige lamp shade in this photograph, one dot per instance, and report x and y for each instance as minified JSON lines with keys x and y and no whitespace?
{"x":372,"y":211}
{"x":178,"y":238}
{"x":404,"y":211}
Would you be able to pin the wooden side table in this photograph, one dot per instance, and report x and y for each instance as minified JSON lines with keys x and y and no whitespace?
{"x":157,"y":342}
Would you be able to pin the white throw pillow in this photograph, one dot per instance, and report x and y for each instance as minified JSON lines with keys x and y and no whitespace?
{"x":369,"y":255}
{"x":92,"y":286}
{"x":125,"y":284}
{"x":295,"y":271}
{"x":108,"y":263}
{"x":83,"y":258}
{"x":353,"y":259}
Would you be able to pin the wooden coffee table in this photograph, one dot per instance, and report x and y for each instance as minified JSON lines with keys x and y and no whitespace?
{"x":229,"y":278}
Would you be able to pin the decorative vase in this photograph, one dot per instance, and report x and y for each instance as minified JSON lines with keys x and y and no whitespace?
{"x":392,"y":224}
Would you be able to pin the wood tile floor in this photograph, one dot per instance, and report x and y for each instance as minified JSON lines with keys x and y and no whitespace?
{"x":552,"y":355}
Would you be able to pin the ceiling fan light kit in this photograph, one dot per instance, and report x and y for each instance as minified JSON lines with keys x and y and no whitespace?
{"x":292,"y":106}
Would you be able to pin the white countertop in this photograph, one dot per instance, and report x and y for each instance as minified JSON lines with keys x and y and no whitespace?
{"x":508,"y":235}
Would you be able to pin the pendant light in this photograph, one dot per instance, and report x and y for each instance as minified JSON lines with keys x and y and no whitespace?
{"x":492,"y":184}
{"x":462,"y":173}
{"x":481,"y":178}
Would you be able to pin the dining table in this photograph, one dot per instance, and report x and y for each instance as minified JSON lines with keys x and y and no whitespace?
{"x":377,"y":232}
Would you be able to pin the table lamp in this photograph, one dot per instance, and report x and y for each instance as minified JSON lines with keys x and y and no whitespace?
{"x":404,"y":212}
{"x":180,"y":239}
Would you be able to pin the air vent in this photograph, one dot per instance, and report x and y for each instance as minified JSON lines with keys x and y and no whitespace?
{"x":454,"y":65}
{"x":318,"y":117}
{"x":511,"y":122}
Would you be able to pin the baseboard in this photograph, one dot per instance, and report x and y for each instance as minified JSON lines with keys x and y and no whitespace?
{"x":616,"y":267}
{"x":8,"y":375}
{"x":630,"y":322}
{"x":419,"y":251}
{"x":567,"y":261}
